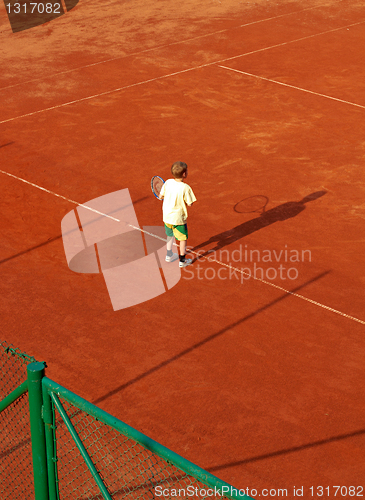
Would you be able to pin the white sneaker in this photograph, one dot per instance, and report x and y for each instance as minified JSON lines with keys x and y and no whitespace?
{"x":173,"y":257}
{"x":186,"y":263}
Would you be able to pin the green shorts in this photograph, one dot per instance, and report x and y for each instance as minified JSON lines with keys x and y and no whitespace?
{"x":180,"y":232}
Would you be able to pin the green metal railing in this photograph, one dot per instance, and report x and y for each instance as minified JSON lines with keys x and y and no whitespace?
{"x":81,"y":452}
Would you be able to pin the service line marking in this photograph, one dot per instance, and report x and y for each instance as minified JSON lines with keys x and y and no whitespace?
{"x":291,"y":86}
{"x":199,"y":256}
{"x":119,"y":89}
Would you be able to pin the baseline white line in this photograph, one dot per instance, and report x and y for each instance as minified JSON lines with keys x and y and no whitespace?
{"x":55,"y":194}
{"x":294,"y":294}
{"x":158,"y":47}
{"x":299,"y":296}
{"x":77,"y":203}
{"x":184,"y":71}
{"x":292,"y":86}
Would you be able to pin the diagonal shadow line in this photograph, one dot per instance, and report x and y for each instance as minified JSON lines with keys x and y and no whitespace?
{"x":50,"y":240}
{"x":294,"y":449}
{"x":7,"y":144}
{"x":206,"y":340}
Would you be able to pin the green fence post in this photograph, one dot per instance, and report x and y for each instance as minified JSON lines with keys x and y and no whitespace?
{"x":50,"y":433}
{"x":35,"y":374}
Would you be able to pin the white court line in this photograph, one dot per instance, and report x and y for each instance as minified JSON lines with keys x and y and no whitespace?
{"x":78,"y":204}
{"x":101,"y":94}
{"x":158,"y":47}
{"x":299,"y":296}
{"x":293,"y":41}
{"x":185,"y":71}
{"x":291,"y":86}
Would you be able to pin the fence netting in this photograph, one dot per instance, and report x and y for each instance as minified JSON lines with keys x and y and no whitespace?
{"x":16,"y":472}
{"x":87,"y":459}
{"x":128,"y":469}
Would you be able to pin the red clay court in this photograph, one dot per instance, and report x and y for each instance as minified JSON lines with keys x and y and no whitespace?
{"x":259,"y":381}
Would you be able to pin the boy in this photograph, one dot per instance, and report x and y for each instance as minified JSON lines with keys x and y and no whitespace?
{"x":176,"y":195}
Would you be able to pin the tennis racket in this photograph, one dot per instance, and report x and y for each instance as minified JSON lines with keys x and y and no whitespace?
{"x":252,"y":204}
{"x":156,"y":185}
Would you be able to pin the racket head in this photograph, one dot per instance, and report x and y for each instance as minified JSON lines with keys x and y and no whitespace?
{"x":252,"y":204}
{"x":156,"y":184}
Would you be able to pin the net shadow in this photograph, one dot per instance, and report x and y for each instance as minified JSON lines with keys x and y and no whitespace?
{"x":206,"y":340}
{"x":286,"y":451}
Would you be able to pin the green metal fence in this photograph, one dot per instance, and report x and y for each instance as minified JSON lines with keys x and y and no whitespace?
{"x":16,"y":473}
{"x":58,"y":446}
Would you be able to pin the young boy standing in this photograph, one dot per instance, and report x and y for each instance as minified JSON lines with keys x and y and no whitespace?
{"x":176,"y":194}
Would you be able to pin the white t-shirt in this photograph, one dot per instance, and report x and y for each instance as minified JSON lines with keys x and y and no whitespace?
{"x":176,"y":195}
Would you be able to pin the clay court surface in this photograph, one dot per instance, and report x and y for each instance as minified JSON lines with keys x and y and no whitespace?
{"x":261,"y":387}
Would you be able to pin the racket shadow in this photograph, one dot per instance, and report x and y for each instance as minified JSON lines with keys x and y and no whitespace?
{"x":282,"y":212}
{"x":252,"y":204}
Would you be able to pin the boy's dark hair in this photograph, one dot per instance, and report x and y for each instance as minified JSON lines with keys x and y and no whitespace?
{"x":178,"y":169}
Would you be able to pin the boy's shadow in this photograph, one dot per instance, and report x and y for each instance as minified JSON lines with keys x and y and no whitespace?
{"x":280,"y":213}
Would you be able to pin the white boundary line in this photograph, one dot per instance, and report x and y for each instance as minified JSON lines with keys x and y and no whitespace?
{"x":158,"y":47}
{"x":78,"y":204}
{"x":292,"y":86}
{"x":58,"y":195}
{"x":187,"y":70}
{"x":299,"y":296}
{"x":333,"y":30}
{"x":102,"y":94}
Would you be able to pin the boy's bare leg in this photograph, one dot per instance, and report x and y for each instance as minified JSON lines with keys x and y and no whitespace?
{"x":182,"y":247}
{"x":170,"y":240}
{"x":170,"y":255}
{"x":182,"y":250}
